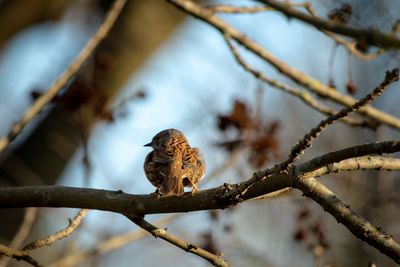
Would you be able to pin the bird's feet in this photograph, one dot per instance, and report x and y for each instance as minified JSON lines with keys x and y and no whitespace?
{"x":195,"y":189}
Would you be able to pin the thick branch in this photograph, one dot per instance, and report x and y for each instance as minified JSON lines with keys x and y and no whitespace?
{"x":186,"y":246}
{"x":373,"y":37}
{"x":215,"y":198}
{"x":342,"y":212}
{"x":294,"y":74}
{"x":45,"y":98}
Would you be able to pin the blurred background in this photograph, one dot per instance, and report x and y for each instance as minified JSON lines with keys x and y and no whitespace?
{"x":160,"y":69}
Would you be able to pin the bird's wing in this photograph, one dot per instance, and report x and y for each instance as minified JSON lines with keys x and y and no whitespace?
{"x":163,"y":157}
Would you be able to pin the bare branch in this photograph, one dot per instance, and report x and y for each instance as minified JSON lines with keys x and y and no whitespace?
{"x":294,"y":74}
{"x":303,"y":144}
{"x":348,"y":153}
{"x":45,"y":98}
{"x":20,"y":236}
{"x":342,"y":212}
{"x":373,"y":37}
{"x":215,"y":198}
{"x":306,"y":141}
{"x":18,"y":255}
{"x":351,"y":47}
{"x":248,"y":9}
{"x":305,"y":97}
{"x":59,"y":235}
{"x":186,"y":246}
{"x":354,"y":164}
{"x":110,"y":244}
{"x":237,"y":9}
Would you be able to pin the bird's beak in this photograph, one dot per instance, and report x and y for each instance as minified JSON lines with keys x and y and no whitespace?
{"x":149,"y":144}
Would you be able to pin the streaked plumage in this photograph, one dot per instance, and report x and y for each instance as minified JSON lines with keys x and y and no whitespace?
{"x":173,"y":163}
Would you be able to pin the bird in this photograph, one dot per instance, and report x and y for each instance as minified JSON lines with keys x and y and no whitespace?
{"x":173,"y":164}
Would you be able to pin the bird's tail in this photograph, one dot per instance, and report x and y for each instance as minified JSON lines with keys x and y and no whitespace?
{"x":172,"y":186}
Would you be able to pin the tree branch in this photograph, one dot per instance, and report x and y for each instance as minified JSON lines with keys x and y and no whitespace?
{"x":342,"y":212}
{"x":45,"y":98}
{"x":186,"y":246}
{"x":373,"y":37}
{"x":109,"y":244}
{"x":24,"y":229}
{"x":294,"y":74}
{"x":215,"y":198}
{"x":73,"y":224}
{"x":303,"y":144}
{"x":354,"y":164}
{"x":18,"y":255}
{"x":306,"y":141}
{"x":305,"y":97}
{"x":24,"y":253}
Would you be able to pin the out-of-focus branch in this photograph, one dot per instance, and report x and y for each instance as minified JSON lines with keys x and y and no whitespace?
{"x":216,"y":260}
{"x":20,"y":236}
{"x":342,"y":212}
{"x":24,"y":253}
{"x":305,"y":142}
{"x":351,"y":47}
{"x":301,"y":78}
{"x":373,"y":37}
{"x":18,"y":255}
{"x":112,"y":243}
{"x":73,"y":224}
{"x":248,"y":9}
{"x":237,"y":9}
{"x":303,"y":96}
{"x":66,"y":76}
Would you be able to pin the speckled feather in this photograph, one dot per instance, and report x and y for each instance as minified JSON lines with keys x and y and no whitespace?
{"x":173,"y":163}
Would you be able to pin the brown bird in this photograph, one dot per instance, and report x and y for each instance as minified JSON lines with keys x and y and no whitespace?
{"x":173,"y":164}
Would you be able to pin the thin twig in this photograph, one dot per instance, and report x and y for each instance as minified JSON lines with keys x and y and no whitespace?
{"x":18,"y":255}
{"x":351,"y":47}
{"x":354,"y":164}
{"x":299,"y":77}
{"x":45,"y":98}
{"x":342,"y":212}
{"x":73,"y":224}
{"x":237,"y":9}
{"x":303,"y":96}
{"x":110,"y":244}
{"x":216,"y":260}
{"x":373,"y":37}
{"x":20,"y":236}
{"x":305,"y":142}
{"x":248,"y":9}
